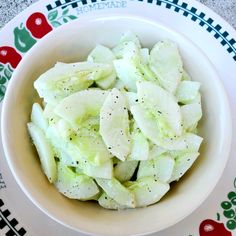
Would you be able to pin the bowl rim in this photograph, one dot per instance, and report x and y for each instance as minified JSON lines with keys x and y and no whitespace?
{"x":87,"y":20}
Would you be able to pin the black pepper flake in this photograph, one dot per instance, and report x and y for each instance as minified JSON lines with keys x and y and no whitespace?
{"x":106,"y":198}
{"x":159,"y":112}
{"x":136,"y":100}
{"x":125,"y":108}
{"x":188,"y":160}
{"x":109,"y":148}
{"x":109,"y":114}
{"x":70,"y":138}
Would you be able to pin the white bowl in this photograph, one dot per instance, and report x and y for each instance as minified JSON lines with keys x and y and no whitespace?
{"x":72,"y":42}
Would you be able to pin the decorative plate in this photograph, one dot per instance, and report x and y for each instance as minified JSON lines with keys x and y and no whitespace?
{"x":217,"y":215}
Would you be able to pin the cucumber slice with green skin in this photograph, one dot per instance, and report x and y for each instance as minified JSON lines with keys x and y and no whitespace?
{"x":79,"y":106}
{"x":38,"y":118}
{"x":65,"y":79}
{"x":101,"y":54}
{"x":162,"y":105}
{"x":187,"y":91}
{"x":160,"y":168}
{"x":140,"y":146}
{"x":45,"y":152}
{"x":166,"y":63}
{"x":182,"y":164}
{"x":114,"y":189}
{"x":191,"y":114}
{"x":148,"y":190}
{"x":75,"y":186}
{"x":114,"y":124}
{"x":109,"y":203}
{"x":124,"y":170}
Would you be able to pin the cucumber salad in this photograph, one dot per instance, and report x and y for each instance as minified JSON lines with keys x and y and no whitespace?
{"x":119,"y":127}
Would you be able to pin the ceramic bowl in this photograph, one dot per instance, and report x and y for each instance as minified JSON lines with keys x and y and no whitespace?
{"x":70,"y":43}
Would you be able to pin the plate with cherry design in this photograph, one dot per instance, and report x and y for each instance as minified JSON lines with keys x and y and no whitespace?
{"x":215,"y":37}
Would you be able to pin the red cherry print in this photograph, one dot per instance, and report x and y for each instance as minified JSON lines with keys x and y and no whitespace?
{"x":212,"y":228}
{"x":9,"y":55}
{"x":37,"y":24}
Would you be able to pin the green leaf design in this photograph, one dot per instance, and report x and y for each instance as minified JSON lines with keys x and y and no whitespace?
{"x":2,"y":91}
{"x":1,"y":67}
{"x":53,"y":15}
{"x":65,"y":20}
{"x":72,"y":17}
{"x":7,"y":73}
{"x":55,"y":23}
{"x":3,"y":80}
{"x":65,"y":12}
{"x":9,"y":68}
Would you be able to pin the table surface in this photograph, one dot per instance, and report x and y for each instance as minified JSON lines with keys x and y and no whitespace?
{"x":225,"y":8}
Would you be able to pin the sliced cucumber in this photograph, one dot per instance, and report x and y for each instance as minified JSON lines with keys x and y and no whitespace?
{"x":124,"y":170}
{"x":140,"y":146}
{"x":128,"y":73}
{"x":81,"y":105}
{"x":185,"y":76}
{"x":109,"y":203}
{"x":75,"y":186}
{"x":65,"y":79}
{"x":101,"y":54}
{"x":148,"y":190}
{"x":147,"y":124}
{"x":187,"y":91}
{"x":129,"y":45}
{"x":155,"y":151}
{"x":38,"y":118}
{"x":166,"y":63}
{"x":187,"y":141}
{"x":107,"y":82}
{"x":182,"y":164}
{"x":160,"y":168}
{"x":50,"y":115}
{"x":191,"y":114}
{"x":114,"y":189}
{"x":162,"y":105}
{"x":145,"y":56}
{"x":104,"y":170}
{"x":132,"y":99}
{"x":92,"y":147}
{"x":114,"y":124}
{"x":45,"y":152}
